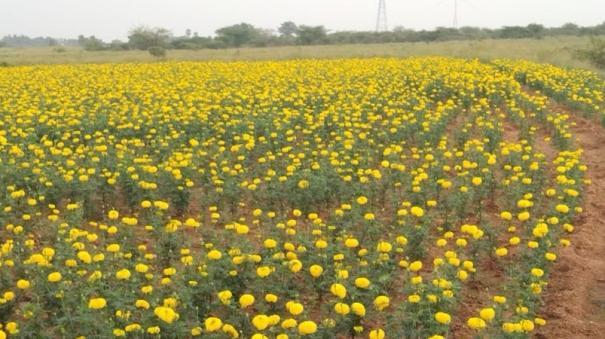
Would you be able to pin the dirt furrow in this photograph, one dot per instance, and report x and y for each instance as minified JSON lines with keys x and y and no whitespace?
{"x":575,"y":298}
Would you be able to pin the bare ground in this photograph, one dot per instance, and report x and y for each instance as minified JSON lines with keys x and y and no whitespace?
{"x":575,"y":298}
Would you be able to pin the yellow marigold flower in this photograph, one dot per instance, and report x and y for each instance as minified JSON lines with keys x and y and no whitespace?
{"x":140,"y":303}
{"x":303,"y":184}
{"x":358,"y":309}
{"x":295,"y":265}
{"x":351,"y":243}
{"x":501,"y":251}
{"x":132,"y":327}
{"x":523,"y":216}
{"x":487,"y":314}
{"x":316,"y":271}
{"x":414,"y":298}
{"x":342,"y":308}
{"x":506,"y":215}
{"x":377,"y":334}
{"x":166,"y":314}
{"x":153,"y":330}
{"x":270,"y":243}
{"x":476,"y":323}
{"x":215,"y":255}
{"x":294,"y":308}
{"x":23,"y":284}
{"x":271,"y":298}
{"x":113,"y":215}
{"x":54,"y":277}
{"x":417,"y":211}
{"x":289,"y":323}
{"x":260,"y":321}
{"x":97,"y":303}
{"x":381,"y":302}
{"x":246,"y":300}
{"x":123,"y":274}
{"x":443,"y":318}
{"x":212,"y":324}
{"x":540,"y":321}
{"x":362,"y":200}
{"x":362,"y":282}
{"x":415,"y":266}
{"x":307,"y":327}
{"x":113,"y":248}
{"x":263,"y":271}
{"x":338,"y":290}
{"x":230,"y":330}
{"x":384,"y":247}
{"x":527,"y":325}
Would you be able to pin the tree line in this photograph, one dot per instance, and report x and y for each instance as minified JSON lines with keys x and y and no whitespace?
{"x":157,"y":40}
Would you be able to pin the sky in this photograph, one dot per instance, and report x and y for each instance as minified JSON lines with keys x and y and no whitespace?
{"x":112,"y":19}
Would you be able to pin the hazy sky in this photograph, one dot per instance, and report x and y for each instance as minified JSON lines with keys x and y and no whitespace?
{"x":111,"y":19}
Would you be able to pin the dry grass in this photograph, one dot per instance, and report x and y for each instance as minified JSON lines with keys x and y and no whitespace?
{"x":556,"y":50}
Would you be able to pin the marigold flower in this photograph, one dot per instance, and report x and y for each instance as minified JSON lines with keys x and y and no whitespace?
{"x":97,"y":303}
{"x":443,"y":318}
{"x":307,"y":327}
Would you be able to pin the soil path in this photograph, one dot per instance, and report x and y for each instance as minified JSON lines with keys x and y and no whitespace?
{"x":575,"y":297}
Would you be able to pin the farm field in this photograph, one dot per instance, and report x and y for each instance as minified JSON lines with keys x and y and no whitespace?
{"x":560,"y":51}
{"x":423,"y":197}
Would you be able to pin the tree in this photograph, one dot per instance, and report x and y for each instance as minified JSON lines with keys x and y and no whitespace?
{"x":535,"y":30}
{"x":157,"y":51}
{"x":91,"y":43}
{"x":143,"y":37}
{"x":188,"y":32}
{"x":595,"y":54}
{"x":118,"y":45}
{"x":288,"y":29}
{"x":308,"y":35}
{"x":237,"y":35}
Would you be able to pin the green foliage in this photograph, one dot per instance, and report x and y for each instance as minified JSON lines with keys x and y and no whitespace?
{"x":91,"y":43}
{"x":288,"y":29}
{"x":595,"y":53}
{"x":157,"y":51}
{"x":308,"y":35}
{"x":237,"y":35}
{"x":143,"y":37}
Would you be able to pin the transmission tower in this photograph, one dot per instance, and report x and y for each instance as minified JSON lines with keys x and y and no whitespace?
{"x":455,"y":13}
{"x":381,"y":19}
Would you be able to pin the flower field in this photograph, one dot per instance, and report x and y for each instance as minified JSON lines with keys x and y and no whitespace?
{"x":376,"y":198}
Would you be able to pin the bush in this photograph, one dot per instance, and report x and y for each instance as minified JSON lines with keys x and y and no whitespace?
{"x":595,"y":54}
{"x":59,"y":49}
{"x":157,"y":51}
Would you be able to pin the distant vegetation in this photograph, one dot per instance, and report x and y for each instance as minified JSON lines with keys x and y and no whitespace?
{"x":289,"y":33}
{"x":569,"y":45}
{"x":595,"y":54}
